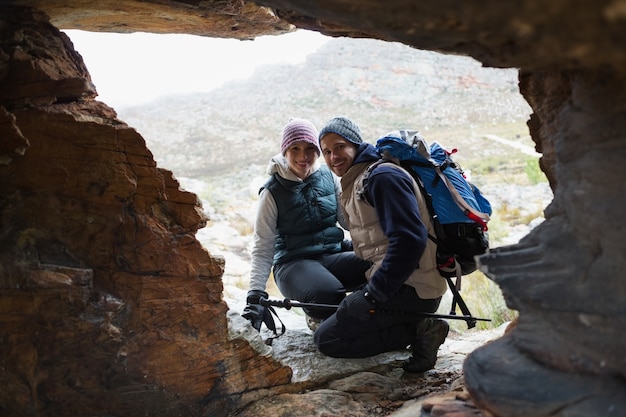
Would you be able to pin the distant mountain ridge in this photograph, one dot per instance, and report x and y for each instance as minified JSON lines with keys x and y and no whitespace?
{"x":382,"y":86}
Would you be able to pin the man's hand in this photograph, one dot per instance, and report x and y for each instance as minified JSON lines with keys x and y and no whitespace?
{"x":254,"y":311}
{"x":358,"y":305}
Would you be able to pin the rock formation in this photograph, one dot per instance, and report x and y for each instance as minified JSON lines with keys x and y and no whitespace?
{"x":110,"y":306}
{"x":109,"y":303}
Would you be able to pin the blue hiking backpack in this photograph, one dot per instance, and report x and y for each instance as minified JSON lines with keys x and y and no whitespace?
{"x":458,"y":210}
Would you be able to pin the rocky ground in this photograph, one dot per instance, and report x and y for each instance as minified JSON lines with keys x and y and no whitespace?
{"x":375,"y":386}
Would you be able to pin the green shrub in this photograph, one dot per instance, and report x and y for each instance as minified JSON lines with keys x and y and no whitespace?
{"x":533,"y":171}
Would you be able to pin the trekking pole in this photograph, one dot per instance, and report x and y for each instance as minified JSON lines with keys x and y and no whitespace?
{"x":287,"y":304}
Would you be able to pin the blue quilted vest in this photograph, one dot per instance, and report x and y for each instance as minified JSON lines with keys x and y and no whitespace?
{"x":307,"y":216}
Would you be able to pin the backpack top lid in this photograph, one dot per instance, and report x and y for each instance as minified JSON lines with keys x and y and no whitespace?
{"x":405,"y":145}
{"x":410,"y":145}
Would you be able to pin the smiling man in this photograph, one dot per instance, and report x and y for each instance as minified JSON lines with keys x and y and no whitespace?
{"x":389,"y":225}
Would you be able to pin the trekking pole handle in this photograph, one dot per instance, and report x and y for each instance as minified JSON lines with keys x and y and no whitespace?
{"x":286,"y":303}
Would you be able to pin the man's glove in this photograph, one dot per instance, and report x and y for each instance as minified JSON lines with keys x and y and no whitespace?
{"x":359,"y":305}
{"x":346,"y":245}
{"x":255,"y":312}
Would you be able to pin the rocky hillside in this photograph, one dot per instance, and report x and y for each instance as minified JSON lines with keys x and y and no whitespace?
{"x":380,"y":85}
{"x":218,"y":143}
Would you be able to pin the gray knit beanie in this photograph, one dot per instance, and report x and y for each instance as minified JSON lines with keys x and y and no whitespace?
{"x":345,"y":128}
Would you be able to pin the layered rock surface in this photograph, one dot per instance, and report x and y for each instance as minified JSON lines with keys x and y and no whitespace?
{"x":217,"y":18}
{"x":109,"y":303}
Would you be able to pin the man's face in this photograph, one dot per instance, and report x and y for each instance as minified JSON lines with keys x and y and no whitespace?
{"x":338,"y":153}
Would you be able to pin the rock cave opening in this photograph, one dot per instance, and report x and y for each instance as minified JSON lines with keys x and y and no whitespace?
{"x":494,"y":122}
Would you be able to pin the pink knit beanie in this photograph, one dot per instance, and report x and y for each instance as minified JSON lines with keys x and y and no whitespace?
{"x":299,"y":130}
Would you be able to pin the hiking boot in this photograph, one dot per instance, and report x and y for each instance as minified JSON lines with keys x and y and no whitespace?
{"x":431,"y":333}
{"x":312,"y":323}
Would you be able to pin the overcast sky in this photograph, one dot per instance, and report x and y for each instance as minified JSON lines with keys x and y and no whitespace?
{"x":135,"y":68}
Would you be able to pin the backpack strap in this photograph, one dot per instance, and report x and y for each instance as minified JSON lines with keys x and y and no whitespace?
{"x":269,"y":322}
{"x":428,"y":199}
{"x":473,"y":214}
{"x":362,"y":193}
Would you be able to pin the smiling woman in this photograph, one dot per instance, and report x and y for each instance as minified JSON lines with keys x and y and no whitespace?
{"x":130,"y":69}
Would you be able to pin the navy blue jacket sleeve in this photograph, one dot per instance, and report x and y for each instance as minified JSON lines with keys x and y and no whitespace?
{"x":392,"y":195}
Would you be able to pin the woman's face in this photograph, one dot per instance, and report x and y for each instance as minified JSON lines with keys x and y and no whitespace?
{"x":301,"y":157}
{"x":338,"y":153}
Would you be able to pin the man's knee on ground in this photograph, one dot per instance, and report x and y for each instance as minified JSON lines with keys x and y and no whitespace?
{"x":332,"y":347}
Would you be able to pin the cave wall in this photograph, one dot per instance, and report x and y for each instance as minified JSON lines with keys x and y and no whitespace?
{"x":566,"y":355}
{"x":109,"y":305}
{"x":102,"y":276}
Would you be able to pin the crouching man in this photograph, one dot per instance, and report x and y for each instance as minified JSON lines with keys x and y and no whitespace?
{"x":389,"y":226}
